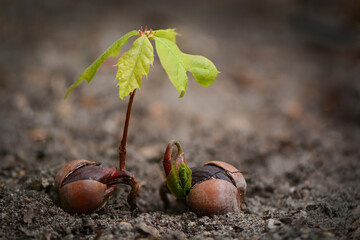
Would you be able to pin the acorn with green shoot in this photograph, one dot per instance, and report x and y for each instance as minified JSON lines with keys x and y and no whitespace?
{"x":215,"y":188}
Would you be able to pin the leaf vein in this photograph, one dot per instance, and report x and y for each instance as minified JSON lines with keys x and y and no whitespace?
{"x":169,"y":50}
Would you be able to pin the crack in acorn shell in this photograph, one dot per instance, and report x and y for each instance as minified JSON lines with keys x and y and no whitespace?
{"x":90,"y":172}
{"x":206,"y":172}
{"x":68,"y":169}
{"x":76,"y":169}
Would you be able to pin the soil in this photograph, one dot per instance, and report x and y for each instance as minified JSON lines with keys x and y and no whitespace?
{"x":285,"y":110}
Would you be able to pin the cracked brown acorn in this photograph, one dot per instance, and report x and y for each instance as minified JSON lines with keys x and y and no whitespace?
{"x":85,"y":187}
{"x":216,"y":187}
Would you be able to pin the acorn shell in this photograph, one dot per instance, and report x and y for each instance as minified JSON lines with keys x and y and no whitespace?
{"x":214,"y":196}
{"x":236,"y":176}
{"x":67,"y":169}
{"x":218,"y":196}
{"x":82,"y":196}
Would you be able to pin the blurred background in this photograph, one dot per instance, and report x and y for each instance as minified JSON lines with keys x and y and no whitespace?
{"x":281,"y":62}
{"x":285,"y":106}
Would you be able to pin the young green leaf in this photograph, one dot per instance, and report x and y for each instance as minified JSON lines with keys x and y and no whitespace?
{"x":133,"y":65}
{"x":203,"y":70}
{"x":171,"y":59}
{"x":112,"y":51}
{"x":177,"y":63}
{"x":179,"y":180}
{"x":169,"y":34}
{"x":185,"y":178}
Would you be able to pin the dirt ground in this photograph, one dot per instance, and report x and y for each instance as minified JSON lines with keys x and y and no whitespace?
{"x":285,"y":110}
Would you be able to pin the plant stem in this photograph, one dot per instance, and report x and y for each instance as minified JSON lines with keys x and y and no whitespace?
{"x":122,"y":147}
{"x":168,"y":155}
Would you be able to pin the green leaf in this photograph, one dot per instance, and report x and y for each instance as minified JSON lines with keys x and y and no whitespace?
{"x":133,"y":65}
{"x":203,"y":70}
{"x":185,"y":178}
{"x":179,"y":180}
{"x":177,"y":63}
{"x":112,"y":51}
{"x":169,"y":34}
{"x":171,"y":59}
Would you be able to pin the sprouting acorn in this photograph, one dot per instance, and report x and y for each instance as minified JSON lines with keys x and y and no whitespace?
{"x":215,"y":188}
{"x":85,"y":187}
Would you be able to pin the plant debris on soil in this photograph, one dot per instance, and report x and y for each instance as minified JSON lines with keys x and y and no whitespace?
{"x":285,"y":110}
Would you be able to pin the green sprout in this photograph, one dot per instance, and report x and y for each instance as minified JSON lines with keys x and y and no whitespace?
{"x":135,"y":63}
{"x":178,"y":176}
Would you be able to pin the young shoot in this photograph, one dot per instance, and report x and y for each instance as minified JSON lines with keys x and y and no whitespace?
{"x":135,"y":63}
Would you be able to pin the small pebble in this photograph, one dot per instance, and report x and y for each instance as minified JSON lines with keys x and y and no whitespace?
{"x":272,"y":224}
{"x":142,"y":228}
{"x":125,"y":226}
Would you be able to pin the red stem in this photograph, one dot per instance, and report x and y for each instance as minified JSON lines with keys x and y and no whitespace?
{"x":118,"y":177}
{"x":122,"y":147}
{"x":168,"y":153}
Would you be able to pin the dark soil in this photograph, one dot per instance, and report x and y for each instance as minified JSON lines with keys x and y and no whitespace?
{"x":285,"y":110}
